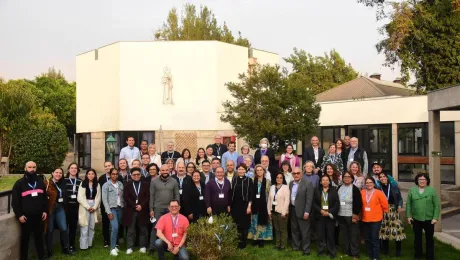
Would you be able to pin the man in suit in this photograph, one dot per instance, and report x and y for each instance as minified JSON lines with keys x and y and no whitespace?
{"x":315,"y":154}
{"x":170,"y":153}
{"x":218,"y":147}
{"x":302,"y":193}
{"x":206,"y":174}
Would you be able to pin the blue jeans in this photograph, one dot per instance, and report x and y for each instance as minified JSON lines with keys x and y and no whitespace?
{"x":115,"y":223}
{"x":57,"y":219}
{"x":371,"y":231}
{"x":161,"y":246}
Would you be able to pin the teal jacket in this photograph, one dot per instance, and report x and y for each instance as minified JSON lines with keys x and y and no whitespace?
{"x":422,"y":207}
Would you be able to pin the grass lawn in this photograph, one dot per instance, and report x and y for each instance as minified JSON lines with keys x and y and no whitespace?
{"x":442,"y":251}
{"x":7,"y":181}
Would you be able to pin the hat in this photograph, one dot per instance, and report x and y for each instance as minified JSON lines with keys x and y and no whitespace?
{"x":376,"y":163}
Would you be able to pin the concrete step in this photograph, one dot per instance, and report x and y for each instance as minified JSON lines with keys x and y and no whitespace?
{"x":449,"y":211}
{"x":445,"y":204}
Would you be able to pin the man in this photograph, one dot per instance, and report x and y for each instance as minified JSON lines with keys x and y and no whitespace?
{"x":215,"y":163}
{"x":270,"y":174}
{"x":356,"y":153}
{"x":170,"y":154}
{"x":230,"y":170}
{"x":183,"y":180}
{"x":230,"y":154}
{"x":137,"y":164}
{"x":315,"y":154}
{"x":162,"y":190}
{"x":377,"y":169}
{"x":136,"y":211}
{"x":144,"y":147}
{"x":309,"y":176}
{"x":206,"y":174}
{"x":145,"y":159}
{"x":300,"y":208}
{"x":130,"y":152}
{"x":172,"y":233}
{"x":217,"y":196}
{"x":346,"y":139}
{"x":30,"y":205}
{"x":218,"y":147}
{"x":105,"y":219}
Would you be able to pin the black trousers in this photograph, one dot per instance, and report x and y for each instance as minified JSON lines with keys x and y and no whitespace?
{"x":325,"y":235}
{"x":350,"y":236}
{"x":386,"y":246}
{"x":72,"y":222}
{"x":34,"y":225}
{"x":418,"y":227}
{"x":105,"y":226}
{"x":242,"y":237}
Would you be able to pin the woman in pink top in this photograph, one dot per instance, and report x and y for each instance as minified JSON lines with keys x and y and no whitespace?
{"x":290,"y":157}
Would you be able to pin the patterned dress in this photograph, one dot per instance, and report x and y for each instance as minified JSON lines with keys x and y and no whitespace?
{"x":261,"y":232}
{"x":392,"y":227}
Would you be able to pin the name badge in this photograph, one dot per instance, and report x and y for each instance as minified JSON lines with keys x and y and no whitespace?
{"x":221,"y":196}
{"x":257,"y":196}
{"x":351,"y":160}
{"x":367,"y":209}
{"x":325,"y":207}
{"x":174,"y":235}
{"x":274,"y":203}
{"x":34,"y":194}
{"x":201,"y":197}
{"x":218,"y":157}
{"x":342,"y":203}
{"x":180,"y":191}
{"x":137,"y":201}
{"x":73,"y":196}
{"x":60,"y":200}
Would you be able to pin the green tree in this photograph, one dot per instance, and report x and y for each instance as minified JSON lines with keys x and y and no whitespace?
{"x":320,"y":73}
{"x":43,"y":141}
{"x":423,"y":37}
{"x":272,"y":104}
{"x":195,"y":25}
{"x":17,"y":102}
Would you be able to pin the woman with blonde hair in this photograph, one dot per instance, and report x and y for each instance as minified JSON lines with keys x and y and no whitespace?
{"x":154,"y":156}
{"x":264,"y":149}
{"x":355,"y":169}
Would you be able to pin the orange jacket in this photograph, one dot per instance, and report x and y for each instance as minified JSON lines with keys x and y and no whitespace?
{"x":378,"y":204}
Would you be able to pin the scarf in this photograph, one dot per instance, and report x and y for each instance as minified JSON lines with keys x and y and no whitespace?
{"x":291,"y":158}
{"x":259,"y":206}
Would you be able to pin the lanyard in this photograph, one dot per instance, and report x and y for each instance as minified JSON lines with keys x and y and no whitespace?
{"x":333,"y":158}
{"x":276,"y":191}
{"x":107,"y":178}
{"x":180,"y":182}
{"x":138,"y":189}
{"x":263,"y":151}
{"x":172,"y":155}
{"x":73,"y":184}
{"x":59,"y":189}
{"x":344,"y":194}
{"x":218,"y":186}
{"x":199,"y":188}
{"x":368,"y":198}
{"x":325,"y":195}
{"x":388,"y":193}
{"x":259,"y":185}
{"x":32,"y":187}
{"x":218,"y":149}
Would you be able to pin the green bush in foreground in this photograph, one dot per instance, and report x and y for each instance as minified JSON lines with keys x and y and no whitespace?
{"x":213,"y":241}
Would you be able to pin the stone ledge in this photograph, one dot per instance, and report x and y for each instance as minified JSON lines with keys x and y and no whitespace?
{"x":448,"y":239}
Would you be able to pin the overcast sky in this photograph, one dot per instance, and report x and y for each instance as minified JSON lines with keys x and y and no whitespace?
{"x":36,"y":35}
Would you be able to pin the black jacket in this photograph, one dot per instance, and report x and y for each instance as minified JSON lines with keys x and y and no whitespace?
{"x":309,"y":155}
{"x":271,"y":157}
{"x":23,"y":203}
{"x":357,"y":200}
{"x":165,"y":156}
{"x":332,"y":200}
{"x":192,"y":203}
{"x":358,"y":156}
{"x":219,"y":150}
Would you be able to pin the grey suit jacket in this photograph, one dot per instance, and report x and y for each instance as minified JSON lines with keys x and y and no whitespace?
{"x":303,"y":198}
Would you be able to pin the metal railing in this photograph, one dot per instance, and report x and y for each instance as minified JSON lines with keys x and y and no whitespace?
{"x":8,"y":194}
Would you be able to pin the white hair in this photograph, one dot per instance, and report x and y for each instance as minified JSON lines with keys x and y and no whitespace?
{"x":264,"y":140}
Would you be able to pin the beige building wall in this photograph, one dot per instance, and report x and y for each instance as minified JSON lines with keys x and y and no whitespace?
{"x":98,"y":151}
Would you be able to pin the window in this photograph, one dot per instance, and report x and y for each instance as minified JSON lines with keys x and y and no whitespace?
{"x":447,"y":139}
{"x":121,"y":137}
{"x":84,"y":150}
{"x":411,"y":139}
{"x":407,"y":172}
{"x":329,"y":136}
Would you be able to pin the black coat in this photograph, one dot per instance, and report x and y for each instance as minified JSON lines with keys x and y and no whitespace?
{"x":192,"y":203}
{"x":271,"y":157}
{"x":165,"y":156}
{"x":357,"y":200}
{"x":23,"y":203}
{"x":332,"y":200}
{"x":242,"y":190}
{"x":309,"y":155}
{"x":219,"y":150}
{"x":129,"y":195}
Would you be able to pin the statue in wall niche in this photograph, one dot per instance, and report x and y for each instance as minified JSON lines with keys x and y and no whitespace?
{"x":167,"y":86}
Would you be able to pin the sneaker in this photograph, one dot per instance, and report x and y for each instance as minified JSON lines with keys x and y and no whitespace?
{"x":143,"y":250}
{"x":106,"y":244}
{"x":113,"y":252}
{"x":129,"y":251}
{"x":118,"y":250}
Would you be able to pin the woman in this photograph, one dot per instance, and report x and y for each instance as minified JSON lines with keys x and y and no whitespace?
{"x":333,"y":174}
{"x":112,"y":198}
{"x":422,"y":209}
{"x":332,"y":158}
{"x":154,"y":156}
{"x":290,"y":157}
{"x":57,"y":198}
{"x":200,"y":157}
{"x":245,"y":153}
{"x":190,"y":169}
{"x":374,"y":206}
{"x":261,"y":228}
{"x":355,"y":169}
{"x":264,"y":149}
{"x":172,"y":169}
{"x":209,"y":153}
{"x":71,"y":208}
{"x":309,"y":175}
{"x":392,"y":226}
{"x":342,"y":152}
{"x":287,"y":171}
{"x":326,"y":205}
{"x":124,"y":170}
{"x":278,"y":210}
{"x":241,"y":204}
{"x":89,"y":197}
{"x":348,"y":216}
{"x":248,"y":161}
{"x":195,"y":207}
{"x":153,"y":171}
{"x":186,"y":157}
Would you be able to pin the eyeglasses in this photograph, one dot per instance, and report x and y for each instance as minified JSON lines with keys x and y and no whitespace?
{"x":137,"y":174}
{"x":347,"y":177}
{"x":191,"y":167}
{"x":295,"y":173}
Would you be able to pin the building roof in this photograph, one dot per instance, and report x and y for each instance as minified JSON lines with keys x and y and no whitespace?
{"x":364,"y":87}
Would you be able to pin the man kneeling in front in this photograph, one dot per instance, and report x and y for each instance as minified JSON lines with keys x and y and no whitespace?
{"x":172,"y":233}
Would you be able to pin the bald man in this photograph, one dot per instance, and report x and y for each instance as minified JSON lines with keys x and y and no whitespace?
{"x":183,"y":180}
{"x":218,"y":147}
{"x":30,"y":205}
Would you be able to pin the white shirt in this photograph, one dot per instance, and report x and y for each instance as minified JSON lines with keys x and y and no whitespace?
{"x":156,"y":159}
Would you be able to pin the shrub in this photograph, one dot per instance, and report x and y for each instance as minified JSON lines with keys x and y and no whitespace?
{"x":43,"y":141}
{"x":213,"y":241}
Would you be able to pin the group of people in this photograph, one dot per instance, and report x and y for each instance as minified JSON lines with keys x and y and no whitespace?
{"x":154,"y":197}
